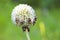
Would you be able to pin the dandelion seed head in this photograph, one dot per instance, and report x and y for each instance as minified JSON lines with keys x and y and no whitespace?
{"x":23,"y":14}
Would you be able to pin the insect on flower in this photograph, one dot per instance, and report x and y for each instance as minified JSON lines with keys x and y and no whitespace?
{"x":23,"y":15}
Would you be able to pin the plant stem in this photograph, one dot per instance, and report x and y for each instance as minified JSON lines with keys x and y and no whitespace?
{"x":27,"y":35}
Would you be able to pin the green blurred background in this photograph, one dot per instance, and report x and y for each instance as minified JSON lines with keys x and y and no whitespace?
{"x":48,"y":12}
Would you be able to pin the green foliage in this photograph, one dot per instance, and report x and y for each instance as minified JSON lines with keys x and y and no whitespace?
{"x":9,"y":31}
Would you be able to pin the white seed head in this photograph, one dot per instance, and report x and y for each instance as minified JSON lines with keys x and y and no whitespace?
{"x":23,"y":14}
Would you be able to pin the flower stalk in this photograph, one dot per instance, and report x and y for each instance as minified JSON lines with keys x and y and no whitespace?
{"x":27,"y":35}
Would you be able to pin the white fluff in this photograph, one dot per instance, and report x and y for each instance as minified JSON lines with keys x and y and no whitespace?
{"x":23,"y":9}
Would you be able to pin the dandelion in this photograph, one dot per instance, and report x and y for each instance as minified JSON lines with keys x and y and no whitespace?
{"x":23,"y":15}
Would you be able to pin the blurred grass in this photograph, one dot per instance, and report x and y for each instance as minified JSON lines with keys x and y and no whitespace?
{"x":9,"y":31}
